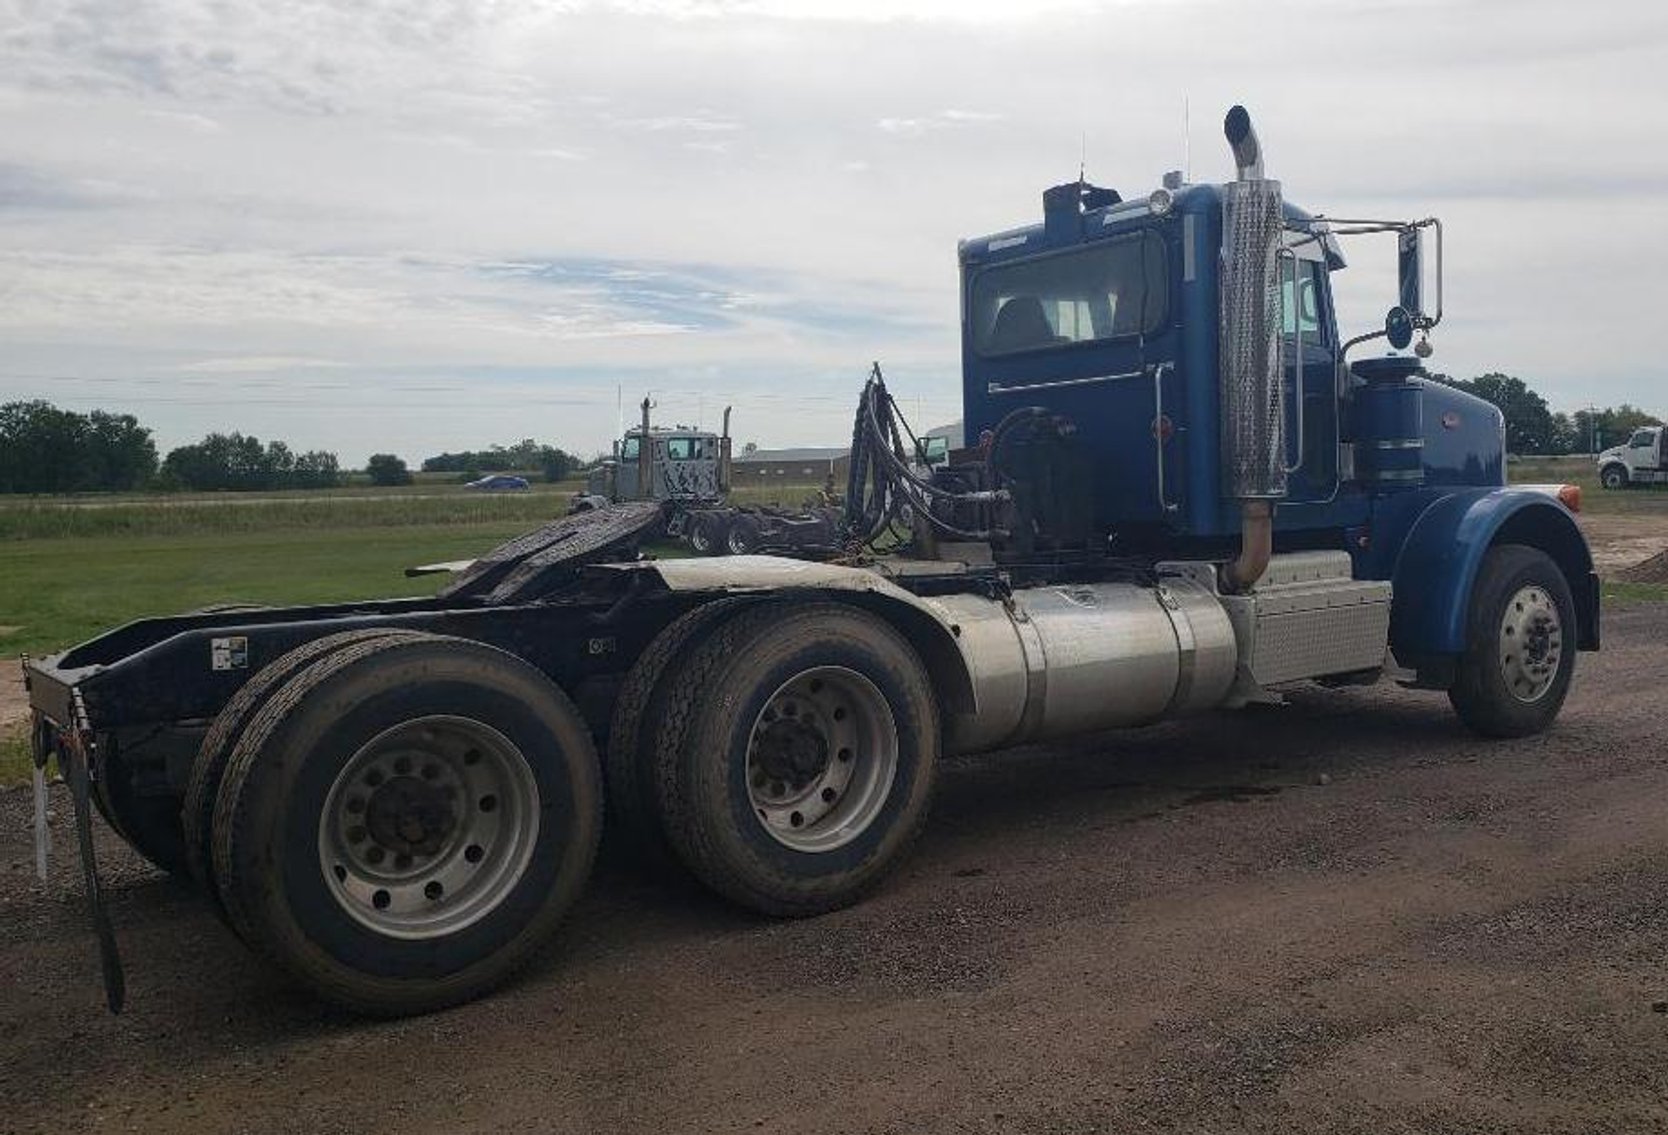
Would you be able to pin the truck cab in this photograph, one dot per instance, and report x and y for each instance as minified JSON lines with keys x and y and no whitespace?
{"x":1104,"y":339}
{"x":683,"y":465}
{"x":1638,"y":462}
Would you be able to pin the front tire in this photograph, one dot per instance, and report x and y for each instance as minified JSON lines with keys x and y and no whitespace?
{"x":405,"y":822}
{"x":796,"y":756}
{"x":1520,"y":645}
{"x":1613,"y":477}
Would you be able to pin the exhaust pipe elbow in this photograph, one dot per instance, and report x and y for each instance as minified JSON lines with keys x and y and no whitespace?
{"x":1255,"y":549}
{"x":1242,"y":138}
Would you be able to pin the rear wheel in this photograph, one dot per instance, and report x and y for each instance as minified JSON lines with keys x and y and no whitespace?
{"x":197,"y":813}
{"x":796,"y":756}
{"x":405,"y":821}
{"x":1520,"y":645}
{"x":707,"y":533}
{"x":635,"y":819}
{"x":743,"y":536}
{"x":149,"y":824}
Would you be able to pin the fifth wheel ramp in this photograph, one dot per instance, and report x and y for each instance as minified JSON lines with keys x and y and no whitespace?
{"x":530,"y":565}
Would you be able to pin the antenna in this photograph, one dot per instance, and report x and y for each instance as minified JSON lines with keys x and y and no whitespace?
{"x":1187,"y":140}
{"x":1082,"y":155}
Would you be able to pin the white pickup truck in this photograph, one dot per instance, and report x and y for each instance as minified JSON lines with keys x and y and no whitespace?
{"x":1639,"y":462}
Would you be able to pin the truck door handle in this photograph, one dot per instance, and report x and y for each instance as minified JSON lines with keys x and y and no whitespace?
{"x":1159,"y":372}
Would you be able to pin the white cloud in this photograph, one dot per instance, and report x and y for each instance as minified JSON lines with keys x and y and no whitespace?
{"x":769,"y":193}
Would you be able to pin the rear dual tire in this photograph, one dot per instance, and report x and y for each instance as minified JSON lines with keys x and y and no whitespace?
{"x":404,"y":820}
{"x":707,"y":533}
{"x":795,"y":756}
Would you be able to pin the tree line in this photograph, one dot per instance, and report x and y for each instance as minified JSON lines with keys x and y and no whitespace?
{"x":525,"y":455}
{"x":47,"y":450}
{"x":1533,"y":427}
{"x":44,"y":449}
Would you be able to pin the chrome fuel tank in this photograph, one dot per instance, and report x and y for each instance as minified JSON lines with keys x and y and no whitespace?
{"x":1080,"y":657}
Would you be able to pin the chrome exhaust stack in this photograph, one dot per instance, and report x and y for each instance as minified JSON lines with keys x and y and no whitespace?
{"x":1252,"y":386}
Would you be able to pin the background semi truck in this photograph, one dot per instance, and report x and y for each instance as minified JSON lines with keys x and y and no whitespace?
{"x":1186,"y":495}
{"x":689,"y":470}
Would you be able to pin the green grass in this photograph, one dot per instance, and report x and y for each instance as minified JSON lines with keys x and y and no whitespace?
{"x":57,"y":592}
{"x":15,"y":761}
{"x":1595,"y":498}
{"x":790,"y":494}
{"x":39,"y":520}
{"x":1628,"y":593}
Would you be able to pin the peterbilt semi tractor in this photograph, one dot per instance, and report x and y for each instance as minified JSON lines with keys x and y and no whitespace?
{"x":1189,"y":491}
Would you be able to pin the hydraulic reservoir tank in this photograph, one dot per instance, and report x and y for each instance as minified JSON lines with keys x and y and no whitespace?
{"x":1390,"y":436}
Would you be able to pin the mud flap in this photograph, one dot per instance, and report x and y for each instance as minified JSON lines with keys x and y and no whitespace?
{"x":74,"y":763}
{"x":38,"y":753}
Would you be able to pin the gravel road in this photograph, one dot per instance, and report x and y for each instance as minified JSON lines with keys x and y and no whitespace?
{"x":1343,"y":915}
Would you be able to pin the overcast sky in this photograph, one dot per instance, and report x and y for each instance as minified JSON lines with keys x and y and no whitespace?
{"x":430,"y":224}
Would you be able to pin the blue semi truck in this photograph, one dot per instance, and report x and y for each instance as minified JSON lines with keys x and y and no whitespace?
{"x":1185,"y":494}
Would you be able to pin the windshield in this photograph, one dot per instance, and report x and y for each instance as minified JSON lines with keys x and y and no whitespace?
{"x":1107,"y":290}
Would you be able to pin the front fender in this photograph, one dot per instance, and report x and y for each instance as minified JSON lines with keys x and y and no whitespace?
{"x":1437,"y":565}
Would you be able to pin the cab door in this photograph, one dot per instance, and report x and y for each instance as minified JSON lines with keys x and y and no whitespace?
{"x":1309,"y":359}
{"x":1643,"y":450}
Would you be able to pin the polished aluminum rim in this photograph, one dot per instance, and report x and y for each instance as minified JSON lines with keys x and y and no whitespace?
{"x":821,"y":759}
{"x":736,"y":540}
{"x":429,"y":826}
{"x":700,"y":537}
{"x":1531,"y":643}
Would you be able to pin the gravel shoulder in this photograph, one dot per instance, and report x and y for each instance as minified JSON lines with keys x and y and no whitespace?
{"x":1343,"y":915}
{"x":1620,"y":540}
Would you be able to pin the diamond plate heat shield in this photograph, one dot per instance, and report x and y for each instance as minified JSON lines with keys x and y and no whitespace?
{"x":1253,"y":394}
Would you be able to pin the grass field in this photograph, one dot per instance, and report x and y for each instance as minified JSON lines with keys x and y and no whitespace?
{"x":1581,"y":471}
{"x":56,"y":592}
{"x":69,"y":569}
{"x":15,"y":762}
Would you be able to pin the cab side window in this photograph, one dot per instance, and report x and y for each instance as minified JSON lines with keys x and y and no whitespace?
{"x":1303,"y":313}
{"x":1642,"y":439}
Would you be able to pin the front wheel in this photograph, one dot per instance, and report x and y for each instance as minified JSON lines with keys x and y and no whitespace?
{"x":796,"y":756}
{"x":1520,"y":645}
{"x":1613,"y":477}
